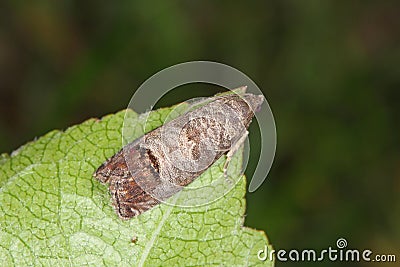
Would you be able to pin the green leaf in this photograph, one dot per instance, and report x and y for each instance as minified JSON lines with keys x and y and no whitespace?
{"x":53,"y":213}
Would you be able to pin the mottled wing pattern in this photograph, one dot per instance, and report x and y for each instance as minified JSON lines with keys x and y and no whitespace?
{"x":141,"y":175}
{"x":129,"y":199}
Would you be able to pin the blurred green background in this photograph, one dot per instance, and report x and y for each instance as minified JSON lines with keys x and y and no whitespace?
{"x":329,"y":69}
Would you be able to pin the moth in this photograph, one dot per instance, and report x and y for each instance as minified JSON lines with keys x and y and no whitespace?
{"x":159,"y":164}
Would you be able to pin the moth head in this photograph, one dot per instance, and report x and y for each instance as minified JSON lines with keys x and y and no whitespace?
{"x":254,"y":101}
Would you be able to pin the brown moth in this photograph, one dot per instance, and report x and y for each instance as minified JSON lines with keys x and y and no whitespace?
{"x":159,"y":164}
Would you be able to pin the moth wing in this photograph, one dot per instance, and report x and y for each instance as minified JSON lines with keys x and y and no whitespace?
{"x":129,"y":199}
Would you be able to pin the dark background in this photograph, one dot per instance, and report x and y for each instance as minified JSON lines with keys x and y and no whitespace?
{"x":330,"y":71}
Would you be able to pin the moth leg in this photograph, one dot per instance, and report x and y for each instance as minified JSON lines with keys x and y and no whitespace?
{"x":235,"y":147}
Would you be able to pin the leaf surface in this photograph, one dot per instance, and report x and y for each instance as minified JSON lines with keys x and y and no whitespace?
{"x":53,"y":213}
